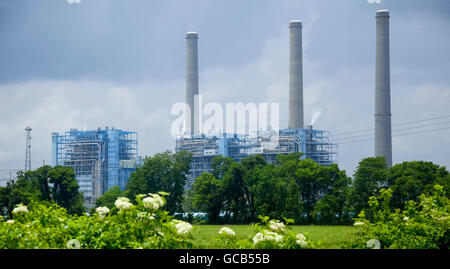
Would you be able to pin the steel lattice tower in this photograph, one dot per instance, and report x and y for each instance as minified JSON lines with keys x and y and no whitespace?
{"x":28,"y":150}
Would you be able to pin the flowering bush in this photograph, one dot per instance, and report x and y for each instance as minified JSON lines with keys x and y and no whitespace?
{"x":141,"y":225}
{"x":270,"y":234}
{"x":274,"y":234}
{"x":420,"y":225}
{"x":102,"y":211}
{"x":135,"y":226}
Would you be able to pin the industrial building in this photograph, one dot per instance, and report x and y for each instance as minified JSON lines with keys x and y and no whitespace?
{"x":101,"y":158}
{"x":314,"y":144}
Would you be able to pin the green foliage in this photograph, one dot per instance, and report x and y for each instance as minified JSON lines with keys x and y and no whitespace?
{"x":290,"y":188}
{"x":163,"y":171}
{"x":140,"y":226}
{"x":63,"y":188}
{"x":409,"y":180}
{"x":46,"y":225}
{"x":420,"y":225}
{"x":369,"y":178}
{"x":52,"y":184}
{"x":110,"y":196}
{"x":209,"y":196}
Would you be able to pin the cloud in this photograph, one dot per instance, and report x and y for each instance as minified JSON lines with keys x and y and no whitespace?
{"x":338,"y":77}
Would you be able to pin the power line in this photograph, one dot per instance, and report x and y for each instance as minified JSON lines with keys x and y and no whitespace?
{"x":419,"y":132}
{"x":398,"y":124}
{"x":395,"y":130}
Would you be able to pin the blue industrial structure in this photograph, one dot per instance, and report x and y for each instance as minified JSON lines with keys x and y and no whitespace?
{"x":101,"y":158}
{"x":314,"y":144}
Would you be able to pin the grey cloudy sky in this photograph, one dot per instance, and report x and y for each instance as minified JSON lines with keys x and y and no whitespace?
{"x":122,"y":63}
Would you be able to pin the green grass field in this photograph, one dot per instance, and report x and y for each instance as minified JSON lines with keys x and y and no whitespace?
{"x":330,"y":237}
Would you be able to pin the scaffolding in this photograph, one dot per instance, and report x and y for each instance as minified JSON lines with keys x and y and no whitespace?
{"x":314,"y":144}
{"x":100,"y":158}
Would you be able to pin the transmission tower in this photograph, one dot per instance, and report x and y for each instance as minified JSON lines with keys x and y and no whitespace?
{"x":28,"y":150}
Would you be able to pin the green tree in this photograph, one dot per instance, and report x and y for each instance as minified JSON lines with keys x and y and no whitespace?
{"x":408,"y":180}
{"x":110,"y":196}
{"x":220,"y":165}
{"x":310,"y":177}
{"x":369,"y":178}
{"x":64,"y":189}
{"x":52,"y":184}
{"x":276,"y":196}
{"x":208,"y":196}
{"x":235,"y":192}
{"x":334,"y":206}
{"x":165,"y":171}
{"x":18,"y":191}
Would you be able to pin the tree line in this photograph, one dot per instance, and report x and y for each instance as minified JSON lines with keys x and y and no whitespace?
{"x":305,"y":191}
{"x":49,"y":184}
{"x":239,"y":192}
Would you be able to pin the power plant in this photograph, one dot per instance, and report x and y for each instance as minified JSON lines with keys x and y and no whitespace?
{"x":314,"y":144}
{"x":101,"y":158}
{"x":104,"y":158}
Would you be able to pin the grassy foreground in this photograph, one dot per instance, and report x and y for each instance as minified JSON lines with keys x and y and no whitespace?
{"x":329,"y":237}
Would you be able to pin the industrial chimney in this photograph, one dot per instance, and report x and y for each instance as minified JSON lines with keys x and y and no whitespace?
{"x":295,"y":76}
{"x":191,"y":80}
{"x":383,"y":133}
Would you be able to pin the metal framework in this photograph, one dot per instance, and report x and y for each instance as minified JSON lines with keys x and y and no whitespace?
{"x":100,"y":158}
{"x":315,"y":144}
{"x":28,"y":149}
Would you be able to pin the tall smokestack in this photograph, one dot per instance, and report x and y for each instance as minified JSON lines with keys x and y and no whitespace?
{"x":383,"y":134}
{"x":295,"y":76}
{"x":191,"y":79}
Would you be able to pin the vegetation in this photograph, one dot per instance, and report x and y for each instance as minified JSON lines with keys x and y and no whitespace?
{"x":56,"y":185}
{"x":421,"y":225}
{"x":144,"y":224}
{"x":292,"y":188}
{"x":405,"y":206}
{"x":325,"y":237}
{"x":162,"y":172}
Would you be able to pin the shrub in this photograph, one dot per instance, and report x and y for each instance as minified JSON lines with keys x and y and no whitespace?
{"x":144,"y":225}
{"x":421,"y":225}
{"x":269,"y":234}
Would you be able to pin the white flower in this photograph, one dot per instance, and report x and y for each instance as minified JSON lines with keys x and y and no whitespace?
{"x":123,"y":203}
{"x":302,"y":243}
{"x":20,"y":209}
{"x":276,"y":226}
{"x":226,"y":231}
{"x":10,"y":221}
{"x":102,"y":211}
{"x":73,"y":243}
{"x":153,"y":202}
{"x":183,"y":228}
{"x":405,"y":218}
{"x":267,"y":236}
{"x":358,"y":223}
{"x":300,"y":237}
